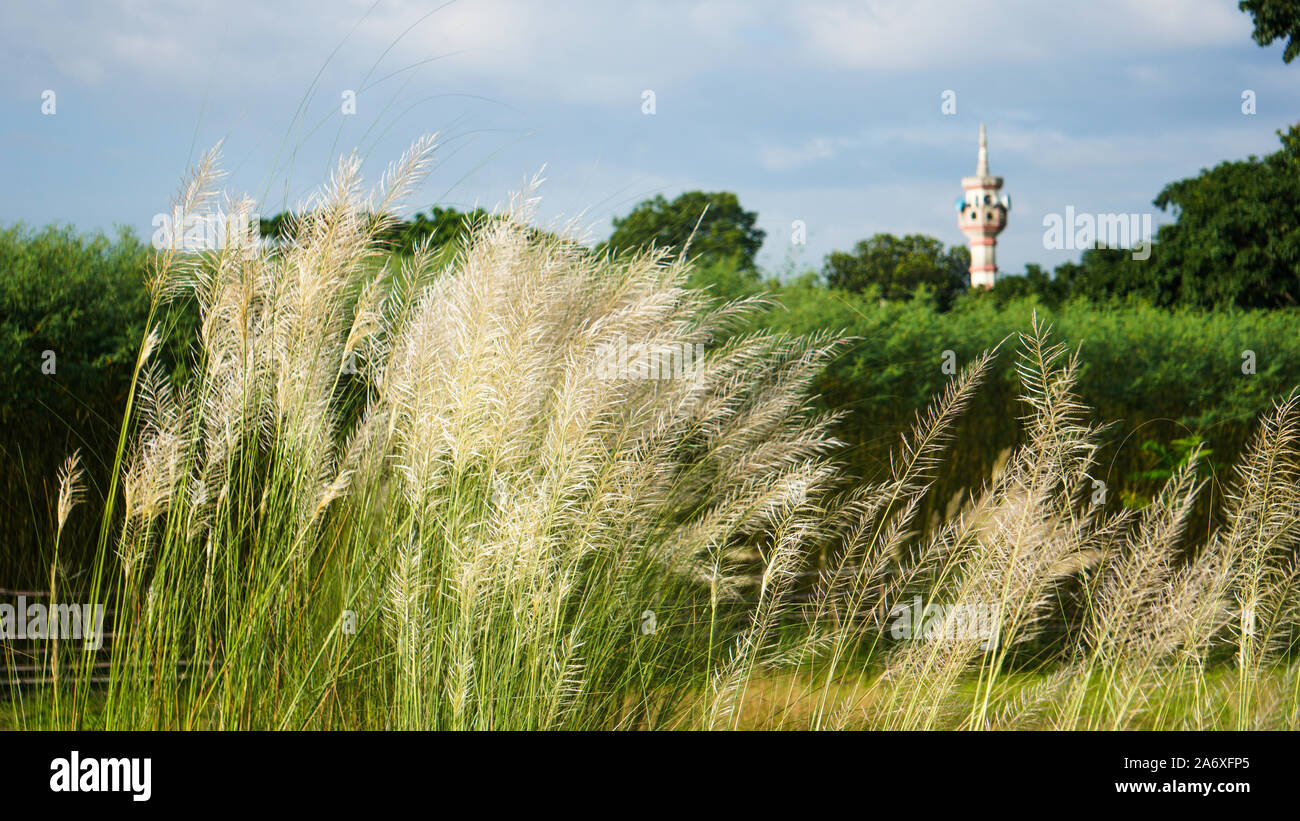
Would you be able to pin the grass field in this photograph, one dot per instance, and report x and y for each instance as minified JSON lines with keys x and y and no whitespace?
{"x":428,"y":497}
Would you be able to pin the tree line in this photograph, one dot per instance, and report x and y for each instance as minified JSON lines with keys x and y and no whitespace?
{"x":1234,"y":242}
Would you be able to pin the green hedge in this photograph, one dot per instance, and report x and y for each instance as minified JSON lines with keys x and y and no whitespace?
{"x":81,"y":298}
{"x":1159,"y":375}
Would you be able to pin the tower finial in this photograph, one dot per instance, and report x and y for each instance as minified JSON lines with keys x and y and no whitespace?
{"x":982,"y":216}
{"x":982,"y":170}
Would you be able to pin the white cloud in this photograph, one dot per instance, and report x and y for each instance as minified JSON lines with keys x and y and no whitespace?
{"x":905,"y":34}
{"x":786,"y":158}
{"x":1050,"y":148}
{"x":591,"y":52}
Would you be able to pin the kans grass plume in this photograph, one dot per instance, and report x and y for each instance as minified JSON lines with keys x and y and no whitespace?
{"x":522,"y":485}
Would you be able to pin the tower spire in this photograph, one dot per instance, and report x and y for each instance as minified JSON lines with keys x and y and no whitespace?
{"x":982,"y":214}
{"x":982,"y":169}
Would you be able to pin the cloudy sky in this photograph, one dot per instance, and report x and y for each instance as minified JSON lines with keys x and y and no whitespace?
{"x":825,"y":112}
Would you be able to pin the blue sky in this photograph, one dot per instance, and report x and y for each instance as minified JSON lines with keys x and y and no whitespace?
{"x":825,"y":112}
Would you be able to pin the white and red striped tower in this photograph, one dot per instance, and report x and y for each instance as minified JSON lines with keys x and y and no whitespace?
{"x":982,"y":216}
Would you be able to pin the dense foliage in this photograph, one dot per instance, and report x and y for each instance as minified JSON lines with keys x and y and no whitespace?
{"x":1160,"y":374}
{"x":440,"y":228}
{"x":1234,"y":243}
{"x":897,"y":267}
{"x":72,"y":309}
{"x":1276,"y":20}
{"x":714,"y":224}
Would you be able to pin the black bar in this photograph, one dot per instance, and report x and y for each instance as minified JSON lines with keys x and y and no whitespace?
{"x":998,"y":772}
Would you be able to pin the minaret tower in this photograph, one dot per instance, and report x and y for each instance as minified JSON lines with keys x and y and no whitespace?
{"x":983,"y":215}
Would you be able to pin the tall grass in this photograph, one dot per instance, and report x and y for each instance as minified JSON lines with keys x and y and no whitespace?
{"x":415,"y":495}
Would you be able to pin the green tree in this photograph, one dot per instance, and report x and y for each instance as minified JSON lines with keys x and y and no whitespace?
{"x":1234,"y":242}
{"x":714,"y":223}
{"x":276,"y":227}
{"x":1103,"y":273}
{"x":72,"y":311}
{"x":1274,"y":20}
{"x":1036,"y":282}
{"x":445,"y":225}
{"x":898,"y":266}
